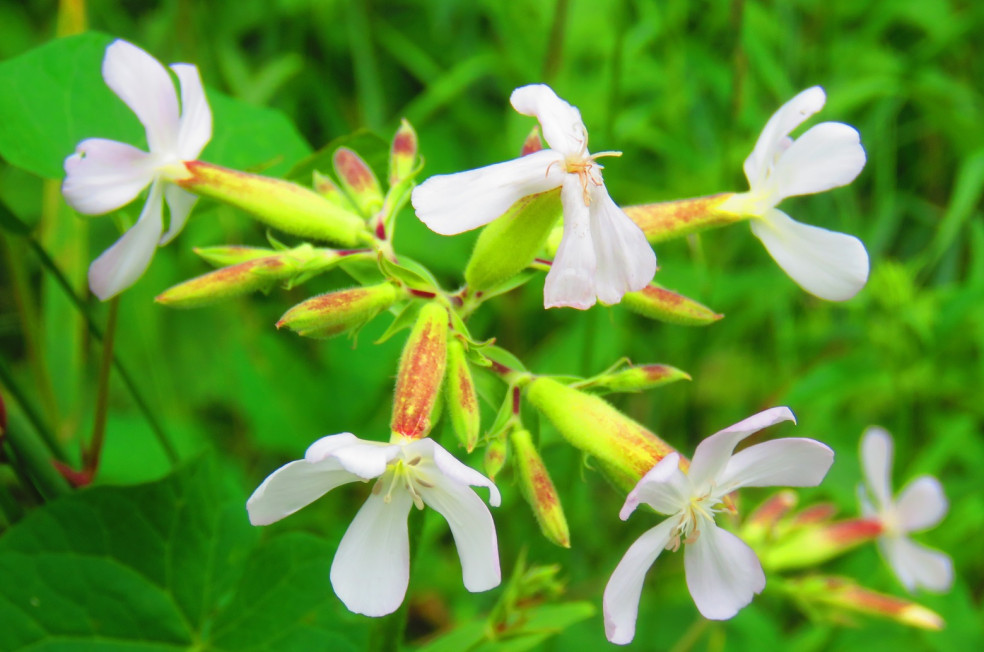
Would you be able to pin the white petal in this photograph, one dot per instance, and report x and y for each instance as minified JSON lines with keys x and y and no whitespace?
{"x":454,"y":203}
{"x":560,"y":122}
{"x":366,"y":459}
{"x":828,"y":155}
{"x":325,"y":446}
{"x":451,"y":467}
{"x":371,"y":569}
{"x":774,"y":136}
{"x":293,"y":486}
{"x":916,"y":565}
{"x":571,"y":279}
{"x":103,"y":175}
{"x":713,"y":453}
{"x":723,"y":574}
{"x":921,"y":504}
{"x":195,"y":127}
{"x":621,"y":599}
{"x":827,"y":264}
{"x":121,"y":265}
{"x":179,"y":204}
{"x":145,"y":86}
{"x":789,"y":462}
{"x":625,"y":259}
{"x":876,"y":462}
{"x":665,"y":488}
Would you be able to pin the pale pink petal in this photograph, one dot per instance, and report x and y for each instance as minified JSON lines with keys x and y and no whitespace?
{"x":571,"y":280}
{"x":827,"y":264}
{"x":876,"y":462}
{"x":195,"y":126}
{"x":774,"y":138}
{"x":103,"y":175}
{"x":917,"y":566}
{"x":449,"y":466}
{"x":454,"y":203}
{"x":625,"y":259}
{"x":723,"y":574}
{"x":828,"y":155}
{"x":371,"y":569}
{"x":665,"y":488}
{"x":294,"y":486}
{"x":145,"y":86}
{"x":179,"y":204}
{"x":921,"y":504}
{"x":621,"y":599}
{"x":789,"y":462}
{"x":560,"y":122}
{"x":121,"y":265}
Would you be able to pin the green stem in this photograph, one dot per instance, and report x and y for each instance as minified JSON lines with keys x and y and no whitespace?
{"x":31,"y":413}
{"x":34,"y":458}
{"x":691,"y":636}
{"x":90,"y":459}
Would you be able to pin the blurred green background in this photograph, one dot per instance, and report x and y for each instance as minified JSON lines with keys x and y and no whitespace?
{"x":682,"y":88}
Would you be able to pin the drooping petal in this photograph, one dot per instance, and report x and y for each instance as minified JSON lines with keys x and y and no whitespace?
{"x":916,"y":565}
{"x":876,"y":461}
{"x":327,"y":445}
{"x":121,"y":265}
{"x":145,"y":86}
{"x":371,"y":568}
{"x":103,"y":175}
{"x":827,"y":264}
{"x":921,"y":504}
{"x":179,"y":204}
{"x":828,"y":155}
{"x":454,"y":203}
{"x":789,"y":462}
{"x":366,"y":459}
{"x":625,"y":259}
{"x":561,"y":123}
{"x":774,"y":137}
{"x":195,"y":126}
{"x":451,"y":467}
{"x":293,"y":486}
{"x":713,"y":453}
{"x":571,"y":280}
{"x":624,"y":588}
{"x":723,"y":573}
{"x":665,"y":488}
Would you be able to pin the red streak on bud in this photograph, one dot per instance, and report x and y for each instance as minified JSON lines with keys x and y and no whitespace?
{"x":421,"y":371}
{"x":678,"y":215}
{"x":422,"y":293}
{"x":543,"y":487}
{"x":853,"y":531}
{"x":353,"y":170}
{"x":404,"y":144}
{"x":466,"y":389}
{"x":815,"y":514}
{"x":533,"y":143}
{"x":773,"y":509}
{"x":515,"y":400}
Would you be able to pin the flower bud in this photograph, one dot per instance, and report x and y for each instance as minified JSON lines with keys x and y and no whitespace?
{"x":358,"y":181}
{"x":538,"y":489}
{"x":281,"y":204}
{"x":228,"y":282}
{"x":656,"y":302}
{"x":495,"y":457}
{"x":625,"y":450}
{"x":337,"y":312}
{"x":814,"y":544}
{"x":533,"y":143}
{"x":324,"y":186}
{"x":462,"y":400}
{"x":761,"y":523}
{"x":672,"y":219}
{"x":638,"y":378}
{"x":403,"y":154}
{"x":510,"y":243}
{"x":232,"y":254}
{"x":842,"y":594}
{"x":418,"y":380}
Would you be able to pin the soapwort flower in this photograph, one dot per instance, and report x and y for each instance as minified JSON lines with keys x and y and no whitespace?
{"x":828,"y":264}
{"x":602,"y":255}
{"x":371,"y":568}
{"x":920,"y":506}
{"x":104,"y":175}
{"x":723,"y":573}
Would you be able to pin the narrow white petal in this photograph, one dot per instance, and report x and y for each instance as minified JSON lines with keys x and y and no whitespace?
{"x":371,"y":569}
{"x":325,"y":446}
{"x":921,"y":504}
{"x":195,"y":126}
{"x":366,"y":459}
{"x":560,"y":122}
{"x":917,"y":565}
{"x":621,"y":599}
{"x":103,"y":175}
{"x":145,"y":86}
{"x":179,"y":204}
{"x":789,"y":462}
{"x":827,"y":264}
{"x":828,"y":155}
{"x":876,"y":462}
{"x":723,"y":574}
{"x":451,"y":467}
{"x":294,"y":486}
{"x":121,"y":265}
{"x":665,"y":488}
{"x":774,"y":137}
{"x":454,"y":203}
{"x":625,"y":259}
{"x":571,"y":280}
{"x":713,"y":453}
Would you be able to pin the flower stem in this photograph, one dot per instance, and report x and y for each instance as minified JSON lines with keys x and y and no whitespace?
{"x":691,"y":636}
{"x":90,"y":459}
{"x":34,"y":457}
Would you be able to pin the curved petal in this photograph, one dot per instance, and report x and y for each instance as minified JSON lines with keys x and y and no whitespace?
{"x":103,"y":175}
{"x":371,"y":569}
{"x":561,"y":123}
{"x":723,"y":574}
{"x":622,"y":593}
{"x":876,"y":462}
{"x":195,"y":125}
{"x":789,"y":462}
{"x":451,"y":467}
{"x":121,"y":265}
{"x":827,"y":264}
{"x":454,"y":203}
{"x":774,"y":137}
{"x":571,"y":279}
{"x":625,"y":259}
{"x":921,"y":504}
{"x":145,"y":86}
{"x":713,"y":453}
{"x":917,"y":565}
{"x":366,"y":459}
{"x":325,"y":446}
{"x":828,"y":155}
{"x":179,"y":204}
{"x":293,"y":486}
{"x":665,"y":488}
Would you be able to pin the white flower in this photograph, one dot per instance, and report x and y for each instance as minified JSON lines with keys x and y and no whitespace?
{"x":602,"y":255}
{"x":723,"y":574}
{"x":828,"y":264}
{"x":920,"y":506}
{"x":104,"y":175}
{"x":371,"y":568}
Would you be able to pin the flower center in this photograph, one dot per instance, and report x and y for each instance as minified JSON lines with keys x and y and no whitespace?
{"x":687,"y":530}
{"x":403,"y":474}
{"x":587,"y":169}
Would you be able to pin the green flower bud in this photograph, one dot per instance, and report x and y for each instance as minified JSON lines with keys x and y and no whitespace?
{"x":337,"y":312}
{"x":358,"y":181}
{"x":421,"y":372}
{"x":324,"y":186}
{"x":656,"y":302}
{"x":227,"y":282}
{"x":538,"y":489}
{"x":672,"y":219}
{"x":811,"y":545}
{"x":495,"y":457}
{"x":841,"y":595}
{"x":403,"y":154}
{"x":638,"y":378}
{"x":462,"y":399}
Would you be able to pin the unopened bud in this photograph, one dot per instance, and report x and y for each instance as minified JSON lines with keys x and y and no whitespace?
{"x":538,"y":489}
{"x":358,"y":181}
{"x":418,"y":380}
{"x":224,"y":256}
{"x":656,"y":302}
{"x":324,"y":186}
{"x":533,"y":143}
{"x":761,"y":523}
{"x":462,"y":400}
{"x":495,"y":457}
{"x":227,"y":282}
{"x":814,"y":544}
{"x":641,"y":377}
{"x":842,"y":594}
{"x":403,"y":154}
{"x":672,"y":219}
{"x":814,"y":514}
{"x":337,"y":312}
